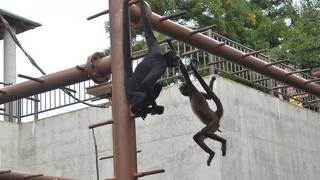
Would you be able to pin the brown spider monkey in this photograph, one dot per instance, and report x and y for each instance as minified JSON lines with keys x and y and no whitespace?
{"x":201,"y":108}
{"x":142,"y":87}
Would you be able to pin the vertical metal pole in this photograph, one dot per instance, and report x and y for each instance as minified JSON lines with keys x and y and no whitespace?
{"x":9,"y":109}
{"x":36,"y":107}
{"x":271,"y":83}
{"x":124,"y":134}
{"x":19,"y":111}
{"x":211,"y":68}
{"x":9,"y":69}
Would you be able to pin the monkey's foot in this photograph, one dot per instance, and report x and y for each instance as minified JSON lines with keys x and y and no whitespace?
{"x":213,"y":78}
{"x":224,"y":149}
{"x":157,"y":110}
{"x":139,"y":113}
{"x":210,"y":159}
{"x":143,"y":116}
{"x":148,"y":110}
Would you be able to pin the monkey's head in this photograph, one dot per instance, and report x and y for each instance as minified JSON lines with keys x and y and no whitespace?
{"x":184,"y":89}
{"x":172,"y":59}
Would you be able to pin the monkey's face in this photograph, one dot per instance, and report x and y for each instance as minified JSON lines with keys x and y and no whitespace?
{"x":172,"y":59}
{"x":184,"y":89}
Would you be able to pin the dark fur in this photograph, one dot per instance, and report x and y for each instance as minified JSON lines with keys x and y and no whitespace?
{"x":201,"y":108}
{"x":126,"y":41}
{"x":142,"y":86}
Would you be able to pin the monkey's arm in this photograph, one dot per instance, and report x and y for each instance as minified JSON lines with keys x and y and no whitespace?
{"x":171,"y":45}
{"x":184,"y":73}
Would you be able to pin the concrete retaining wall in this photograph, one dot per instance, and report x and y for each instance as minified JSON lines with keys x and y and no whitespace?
{"x":8,"y":144}
{"x":267,"y":139}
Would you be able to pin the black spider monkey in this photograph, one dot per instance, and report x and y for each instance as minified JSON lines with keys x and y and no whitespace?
{"x":142,"y":87}
{"x":201,"y":108}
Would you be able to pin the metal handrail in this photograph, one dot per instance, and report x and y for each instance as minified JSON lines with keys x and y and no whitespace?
{"x":170,"y":76}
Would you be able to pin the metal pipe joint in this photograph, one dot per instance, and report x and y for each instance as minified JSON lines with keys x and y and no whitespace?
{"x":93,"y":71}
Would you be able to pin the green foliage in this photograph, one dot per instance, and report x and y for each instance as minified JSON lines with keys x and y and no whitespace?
{"x":288,"y":30}
{"x":302,"y":40}
{"x":258,"y":24}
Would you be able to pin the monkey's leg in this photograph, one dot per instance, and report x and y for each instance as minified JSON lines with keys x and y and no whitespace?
{"x":205,"y":95}
{"x":138,"y":102}
{"x":217,"y":138}
{"x":157,"y":109}
{"x":136,"y":97}
{"x":157,"y":90}
{"x":140,"y":107}
{"x":149,"y":85}
{"x":144,"y":108}
{"x":199,"y":139}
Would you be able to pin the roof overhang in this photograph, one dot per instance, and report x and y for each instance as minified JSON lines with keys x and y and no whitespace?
{"x":22,"y":24}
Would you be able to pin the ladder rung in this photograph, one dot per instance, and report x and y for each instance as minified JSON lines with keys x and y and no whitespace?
{"x":32,"y":176}
{"x":102,"y":123}
{"x":109,"y":157}
{"x":147,"y":173}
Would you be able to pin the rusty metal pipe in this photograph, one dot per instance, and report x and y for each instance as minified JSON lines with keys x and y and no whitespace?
{"x":111,"y":156}
{"x":124,"y":133}
{"x":210,"y":45}
{"x":173,"y":15}
{"x":107,"y":11}
{"x":102,"y":123}
{"x":30,"y":78}
{"x":51,"y":81}
{"x":5,"y":175}
{"x":312,"y":80}
{"x":141,"y":174}
{"x":254,"y":53}
{"x":202,"y":29}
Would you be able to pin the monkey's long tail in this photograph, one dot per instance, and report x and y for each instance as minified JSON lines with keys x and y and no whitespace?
{"x":214,"y":97}
{"x":147,"y":29}
{"x":126,"y":41}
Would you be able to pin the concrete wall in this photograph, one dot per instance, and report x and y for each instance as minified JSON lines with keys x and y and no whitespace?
{"x":8,"y":144}
{"x":267,"y":139}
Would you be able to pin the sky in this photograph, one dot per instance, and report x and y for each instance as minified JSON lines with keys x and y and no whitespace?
{"x":65,"y":38}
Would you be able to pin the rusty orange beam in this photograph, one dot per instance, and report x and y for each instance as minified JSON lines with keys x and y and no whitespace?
{"x":213,"y":46}
{"x":12,"y":175}
{"x":51,"y":81}
{"x":124,"y":133}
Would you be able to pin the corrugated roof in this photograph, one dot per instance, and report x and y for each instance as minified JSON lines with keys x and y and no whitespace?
{"x":22,"y":24}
